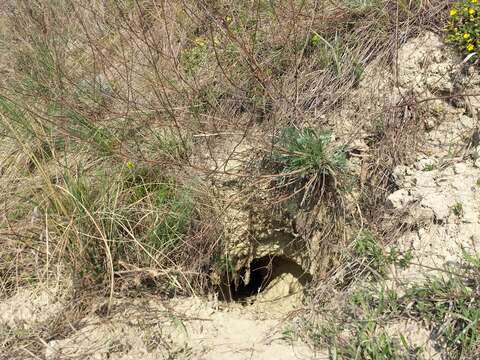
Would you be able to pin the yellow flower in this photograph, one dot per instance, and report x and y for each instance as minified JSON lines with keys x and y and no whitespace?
{"x":200,"y":42}
{"x":466,"y":36}
{"x":470,"y":47}
{"x":130,"y":165}
{"x":471,"y":11}
{"x":453,"y":12}
{"x":473,"y":1}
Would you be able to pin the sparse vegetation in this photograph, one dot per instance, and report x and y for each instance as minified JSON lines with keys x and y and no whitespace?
{"x":447,"y":303}
{"x":370,"y":260}
{"x":369,"y":345}
{"x":366,"y":249}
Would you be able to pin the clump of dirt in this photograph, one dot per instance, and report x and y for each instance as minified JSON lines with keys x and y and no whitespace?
{"x":30,"y":306}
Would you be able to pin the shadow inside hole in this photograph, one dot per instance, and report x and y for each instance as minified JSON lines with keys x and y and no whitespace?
{"x":263,"y":271}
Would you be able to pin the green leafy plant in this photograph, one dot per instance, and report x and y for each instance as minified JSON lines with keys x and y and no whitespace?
{"x":307,"y":163}
{"x":463,"y":28}
{"x":329,"y":52}
{"x":368,"y":339}
{"x":429,"y":167}
{"x":175,"y":207}
{"x":308,"y":151}
{"x":316,"y":39}
{"x":457,"y":209}
{"x":450,"y":304}
{"x":368,"y":252}
{"x":375,"y":346}
{"x":195,"y":56}
{"x":370,"y":258}
{"x":446,"y":303}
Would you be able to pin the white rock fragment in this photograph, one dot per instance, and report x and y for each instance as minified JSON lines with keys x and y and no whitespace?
{"x":420,"y":215}
{"x":424,"y":180}
{"x":399,"y":199}
{"x":429,"y":123}
{"x":400,"y":175}
{"x":460,"y":168}
{"x":426,"y":68}
{"x":438,"y":203}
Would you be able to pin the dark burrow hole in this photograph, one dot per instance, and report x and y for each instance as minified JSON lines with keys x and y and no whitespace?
{"x":263,"y":271}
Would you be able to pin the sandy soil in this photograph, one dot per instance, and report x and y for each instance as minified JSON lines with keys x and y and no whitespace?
{"x":189,"y":328}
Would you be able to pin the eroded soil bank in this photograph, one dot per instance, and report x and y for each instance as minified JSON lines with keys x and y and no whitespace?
{"x":256,"y":314}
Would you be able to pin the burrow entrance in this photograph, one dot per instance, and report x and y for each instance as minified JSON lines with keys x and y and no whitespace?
{"x":263,"y":271}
